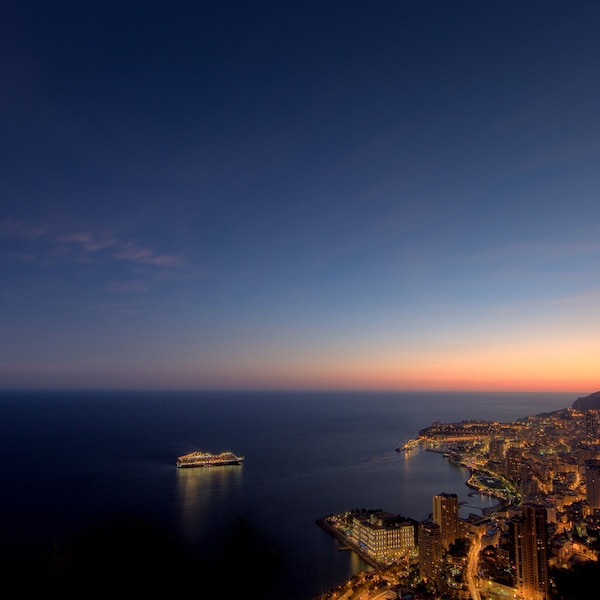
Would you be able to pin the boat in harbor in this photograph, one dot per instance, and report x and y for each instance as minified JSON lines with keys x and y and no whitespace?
{"x":207,"y":459}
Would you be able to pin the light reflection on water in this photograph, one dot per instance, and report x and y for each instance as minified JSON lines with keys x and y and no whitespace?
{"x":201,"y":491}
{"x":424,"y":474}
{"x":309,"y":454}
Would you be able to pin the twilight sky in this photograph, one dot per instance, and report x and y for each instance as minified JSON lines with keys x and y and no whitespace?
{"x":365,"y":195}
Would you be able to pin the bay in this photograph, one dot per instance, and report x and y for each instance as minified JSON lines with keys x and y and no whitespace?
{"x":73,"y":460}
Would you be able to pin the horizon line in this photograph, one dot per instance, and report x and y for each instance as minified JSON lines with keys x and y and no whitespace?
{"x":282,"y":390}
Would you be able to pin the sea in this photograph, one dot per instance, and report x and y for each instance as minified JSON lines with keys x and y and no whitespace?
{"x":90,"y":483}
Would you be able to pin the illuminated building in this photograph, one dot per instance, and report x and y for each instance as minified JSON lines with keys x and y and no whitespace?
{"x":513,"y":461}
{"x":591,"y":425}
{"x":531,"y":553}
{"x":592,"y":481}
{"x":445,"y":514}
{"x":430,"y":550}
{"x":528,"y":487}
{"x":497,"y":446}
{"x":383,"y":536}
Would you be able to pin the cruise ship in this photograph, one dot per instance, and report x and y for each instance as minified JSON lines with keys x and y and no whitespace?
{"x":207,"y":459}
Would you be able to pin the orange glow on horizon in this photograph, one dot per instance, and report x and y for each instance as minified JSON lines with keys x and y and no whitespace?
{"x":570,"y":368}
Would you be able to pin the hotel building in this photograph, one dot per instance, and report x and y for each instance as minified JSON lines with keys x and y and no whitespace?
{"x":383,"y":535}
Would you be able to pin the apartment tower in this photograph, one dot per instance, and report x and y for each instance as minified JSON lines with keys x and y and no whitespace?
{"x":430,"y":550}
{"x":592,"y":482}
{"x":531,"y":553}
{"x":445,"y":514}
{"x":591,"y":425}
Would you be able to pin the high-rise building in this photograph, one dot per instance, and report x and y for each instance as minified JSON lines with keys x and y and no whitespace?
{"x":591,"y":425}
{"x":497,"y":447}
{"x":513,"y":459}
{"x":528,"y":487}
{"x":445,"y":514}
{"x":531,"y":553}
{"x":592,"y":482}
{"x":430,"y":550}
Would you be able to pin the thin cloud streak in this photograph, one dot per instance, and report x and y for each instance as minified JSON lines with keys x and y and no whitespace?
{"x":130,"y":252}
{"x":11,"y":228}
{"x":85,"y":245}
{"x":87,"y":241}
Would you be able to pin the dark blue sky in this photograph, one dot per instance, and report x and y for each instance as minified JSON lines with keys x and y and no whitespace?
{"x":300,"y":194}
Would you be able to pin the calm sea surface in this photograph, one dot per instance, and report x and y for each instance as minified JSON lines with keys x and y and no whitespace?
{"x":71,"y":460}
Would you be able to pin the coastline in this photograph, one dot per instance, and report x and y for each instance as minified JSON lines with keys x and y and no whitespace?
{"x":338,"y":535}
{"x":348,"y":544}
{"x":472,"y":481}
{"x":96,"y":430}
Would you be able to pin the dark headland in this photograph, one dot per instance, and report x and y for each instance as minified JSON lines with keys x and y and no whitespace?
{"x":591,"y":402}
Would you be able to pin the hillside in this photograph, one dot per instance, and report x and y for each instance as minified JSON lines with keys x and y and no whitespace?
{"x":588,"y":402}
